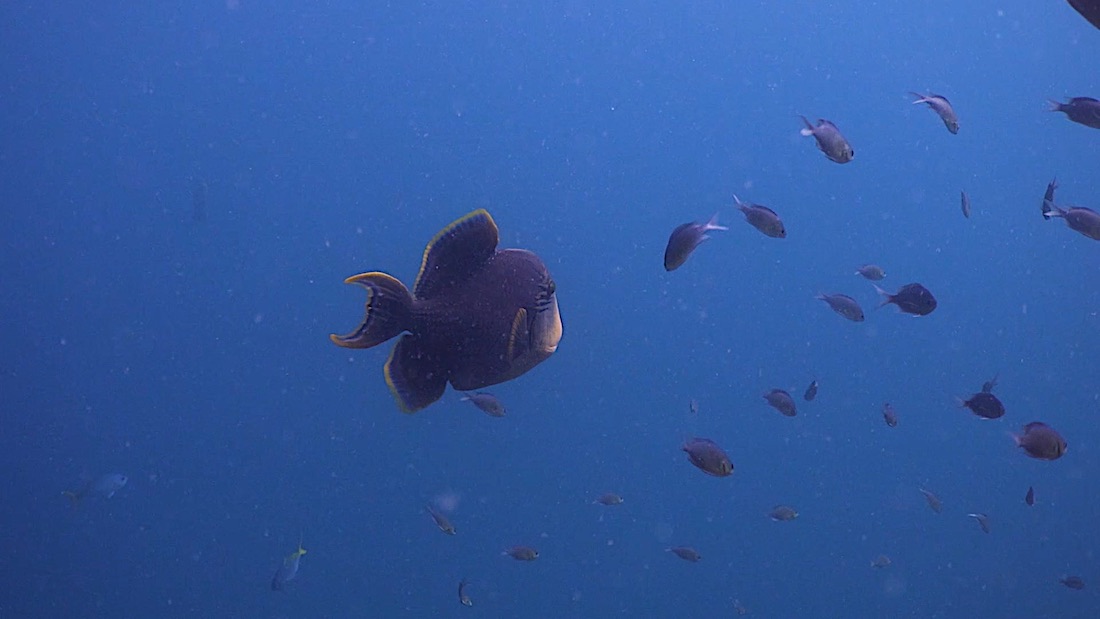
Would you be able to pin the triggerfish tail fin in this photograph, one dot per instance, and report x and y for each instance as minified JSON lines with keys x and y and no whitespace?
{"x":416,"y":375}
{"x":388,"y":311}
{"x":455,"y":253}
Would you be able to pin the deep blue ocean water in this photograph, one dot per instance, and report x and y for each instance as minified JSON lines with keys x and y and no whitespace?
{"x":186,"y":185}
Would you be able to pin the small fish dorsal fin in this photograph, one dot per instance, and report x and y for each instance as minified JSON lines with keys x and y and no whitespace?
{"x":455,"y":252}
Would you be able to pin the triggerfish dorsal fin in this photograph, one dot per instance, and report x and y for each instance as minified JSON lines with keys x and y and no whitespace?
{"x":388,"y":311}
{"x":455,"y":253}
{"x":415,"y":374}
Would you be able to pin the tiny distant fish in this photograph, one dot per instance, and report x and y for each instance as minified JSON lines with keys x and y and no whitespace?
{"x":708,"y":457}
{"x":987,"y":386}
{"x":933,"y":500}
{"x":762,"y":218}
{"x":288,"y":569}
{"x":685,"y":238}
{"x":966,"y":205}
{"x":829,"y":140}
{"x":487,"y":402}
{"x":811,"y":391}
{"x":872,"y":272}
{"x":1081,"y":110}
{"x":685,"y":552}
{"x":739,"y":608}
{"x":103,"y":487}
{"x":441,"y":521}
{"x":1073,"y":582}
{"x":940,"y":105}
{"x":1048,"y":197}
{"x":1029,"y":498}
{"x":781,"y":401}
{"x":889,"y":415}
{"x":844,"y":305}
{"x":1041,"y":441}
{"x":693,"y":406}
{"x":522,"y":553}
{"x":462,"y":597}
{"x":782,"y":513}
{"x":881,"y":561}
{"x":985,"y":405}
{"x":1083,"y":220}
{"x":609,"y":498}
{"x":912,"y":299}
{"x":983,"y":521}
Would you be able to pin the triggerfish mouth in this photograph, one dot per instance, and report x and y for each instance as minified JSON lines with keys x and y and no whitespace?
{"x":476,"y":316}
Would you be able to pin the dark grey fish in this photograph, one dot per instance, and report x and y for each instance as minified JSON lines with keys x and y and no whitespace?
{"x":933,"y":501}
{"x":844,"y":305}
{"x":782,"y":513}
{"x":1029,"y":498}
{"x":708,"y":457}
{"x":987,"y":386}
{"x":966,"y":205}
{"x":609,"y":498}
{"x":441,"y":521}
{"x":462,"y":597}
{"x":685,"y":238}
{"x":487,"y":402}
{"x":829,"y":140}
{"x":693,"y":406}
{"x":1083,"y":220}
{"x":762,"y":218}
{"x":477,"y":315}
{"x":889,"y":415}
{"x":1081,"y":110}
{"x":872,"y":272}
{"x":288,"y":569}
{"x":940,"y":105}
{"x":1073,"y":582}
{"x":984,"y":405}
{"x":881,"y":561}
{"x":1048,"y":198}
{"x":983,"y":521}
{"x":685,"y":552}
{"x":811,"y":391}
{"x":1089,"y":9}
{"x":1041,"y":441}
{"x":781,"y":401}
{"x":912,"y":299}
{"x":522,"y":553}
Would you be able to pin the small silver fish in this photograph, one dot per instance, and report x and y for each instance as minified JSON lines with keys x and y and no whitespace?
{"x":462,"y":597}
{"x":522,"y":553}
{"x":288,"y":569}
{"x":609,"y":498}
{"x":872,"y":272}
{"x":708,"y":457}
{"x":686,"y":553}
{"x":103,"y":487}
{"x":782,"y":513}
{"x":441,"y":521}
{"x":685,"y":238}
{"x":829,"y":140}
{"x":844,"y":305}
{"x":941,"y":106}
{"x":781,"y":401}
{"x":933,"y":501}
{"x":762,"y":218}
{"x":486,"y":402}
{"x":983,"y":521}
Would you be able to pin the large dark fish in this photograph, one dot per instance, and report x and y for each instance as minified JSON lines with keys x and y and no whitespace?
{"x":762,"y":218}
{"x":685,"y":238}
{"x":708,"y":457}
{"x":1041,"y":441}
{"x":829,"y":140}
{"x":912,"y":299}
{"x":985,"y":405}
{"x":1089,"y":9}
{"x":1081,"y":110}
{"x":1048,"y":197}
{"x":1083,"y":220}
{"x":477,"y":316}
{"x":940,"y":105}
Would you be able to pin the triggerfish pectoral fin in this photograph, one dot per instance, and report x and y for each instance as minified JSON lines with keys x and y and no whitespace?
{"x":455,"y":253}
{"x":388,"y":311}
{"x":415,"y":375}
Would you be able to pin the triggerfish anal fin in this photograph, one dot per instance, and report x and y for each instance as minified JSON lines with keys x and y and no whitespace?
{"x":415,"y":375}
{"x":388,"y":311}
{"x":457,"y":251}
{"x":1089,"y":9}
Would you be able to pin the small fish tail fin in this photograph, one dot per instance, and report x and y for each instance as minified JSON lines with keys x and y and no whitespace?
{"x":920,"y":98}
{"x":1054,"y":106}
{"x":389,"y":311}
{"x":809,"y":128}
{"x":887,"y":298}
{"x":713,"y":224}
{"x":1055,"y":210}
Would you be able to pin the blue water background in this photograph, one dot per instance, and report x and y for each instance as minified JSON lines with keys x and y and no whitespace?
{"x":337,"y":137}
